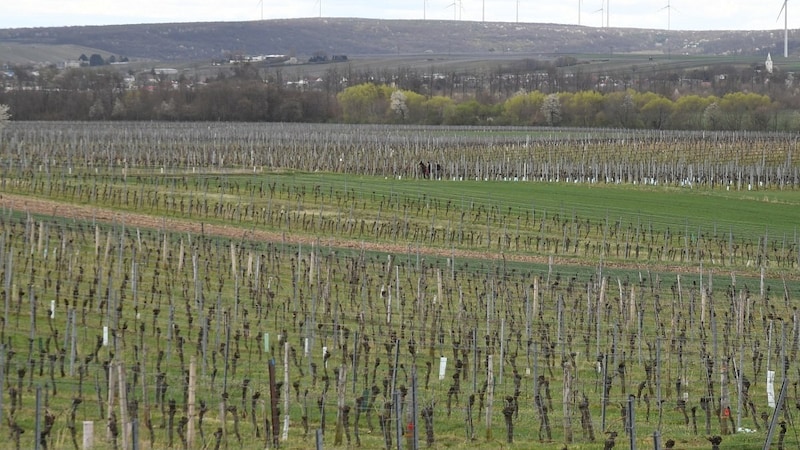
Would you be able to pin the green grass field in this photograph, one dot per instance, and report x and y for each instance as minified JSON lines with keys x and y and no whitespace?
{"x":617,"y":223}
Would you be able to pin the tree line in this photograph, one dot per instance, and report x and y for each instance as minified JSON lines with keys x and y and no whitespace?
{"x":368,"y":103}
{"x":245,"y":94}
{"x":102,"y":94}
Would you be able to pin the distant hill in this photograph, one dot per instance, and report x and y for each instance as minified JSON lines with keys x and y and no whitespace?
{"x":14,"y":53}
{"x":305,"y":37}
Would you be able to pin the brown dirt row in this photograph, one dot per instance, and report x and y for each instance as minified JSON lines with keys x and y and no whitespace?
{"x":84,"y":212}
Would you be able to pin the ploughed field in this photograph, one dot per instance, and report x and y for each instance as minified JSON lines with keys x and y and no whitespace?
{"x":252,"y":285}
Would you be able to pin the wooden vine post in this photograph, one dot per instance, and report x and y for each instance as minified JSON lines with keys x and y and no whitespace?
{"x":341,"y":383}
{"x":724,"y":399}
{"x":569,"y":367}
{"x":273,"y":398}
{"x":123,"y":404}
{"x":111,"y":389}
{"x":191,"y":403}
{"x":489,"y":398}
{"x":285,"y":433}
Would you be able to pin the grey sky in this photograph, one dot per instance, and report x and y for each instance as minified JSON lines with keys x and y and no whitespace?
{"x":680,"y":14}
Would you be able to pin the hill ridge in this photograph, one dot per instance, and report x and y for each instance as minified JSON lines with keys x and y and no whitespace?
{"x":194,"y":41}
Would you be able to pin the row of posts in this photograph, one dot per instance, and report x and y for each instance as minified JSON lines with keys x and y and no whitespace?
{"x":131,"y":429}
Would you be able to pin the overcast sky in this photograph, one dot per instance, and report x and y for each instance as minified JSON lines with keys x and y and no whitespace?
{"x":680,"y":14}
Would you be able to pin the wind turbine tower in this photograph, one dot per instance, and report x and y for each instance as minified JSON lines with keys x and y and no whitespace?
{"x":785,"y":12}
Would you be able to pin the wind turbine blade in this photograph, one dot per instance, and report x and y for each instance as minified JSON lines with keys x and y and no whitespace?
{"x":783,"y":7}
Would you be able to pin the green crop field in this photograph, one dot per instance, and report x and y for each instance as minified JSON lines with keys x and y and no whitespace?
{"x":538,"y":288}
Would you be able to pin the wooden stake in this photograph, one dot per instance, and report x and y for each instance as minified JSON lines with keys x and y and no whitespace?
{"x":145,"y":407}
{"x":88,"y":434}
{"x":398,"y":428}
{"x":599,"y":314}
{"x":123,"y":404}
{"x":569,"y":377}
{"x":38,"y":420}
{"x":502,"y":348}
{"x":631,"y":307}
{"x":414,"y":409}
{"x":703,"y":301}
{"x":740,"y":373}
{"x":489,"y":398}
{"x":111,"y":389}
{"x":658,"y":382}
{"x":273,"y":398}
{"x":604,"y":401}
{"x":285,"y":434}
{"x":724,"y":399}
{"x":191,"y":406}
{"x":340,"y":403}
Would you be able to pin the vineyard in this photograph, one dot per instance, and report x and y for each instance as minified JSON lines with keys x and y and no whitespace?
{"x":174,"y":285}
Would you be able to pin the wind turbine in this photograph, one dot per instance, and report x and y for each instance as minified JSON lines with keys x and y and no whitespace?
{"x":517,"y":11}
{"x":261,"y":3}
{"x":669,"y":20}
{"x":579,"y":11}
{"x":785,"y":12}
{"x":669,"y":13}
{"x":601,"y":10}
{"x":457,"y":6}
{"x":320,"y":7}
{"x":424,"y":9}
